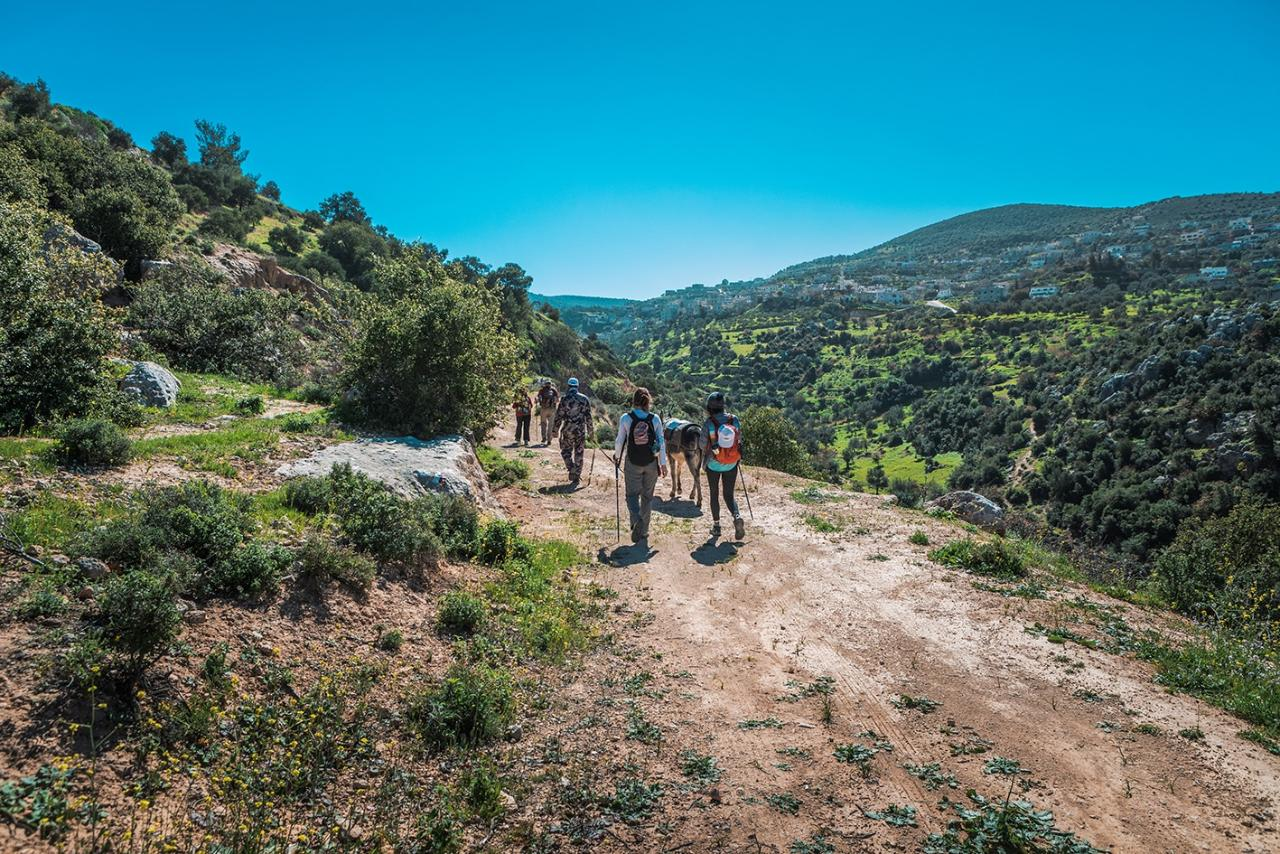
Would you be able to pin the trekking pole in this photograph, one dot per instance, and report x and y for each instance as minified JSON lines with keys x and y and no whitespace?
{"x":746,"y":491}
{"x":592,"y":469}
{"x":617,"y":503}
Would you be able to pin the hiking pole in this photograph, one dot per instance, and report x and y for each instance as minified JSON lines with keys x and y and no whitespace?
{"x":746,"y":491}
{"x":617,"y":503}
{"x":592,"y":469}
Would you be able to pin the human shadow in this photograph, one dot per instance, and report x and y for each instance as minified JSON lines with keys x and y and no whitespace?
{"x":679,"y":508}
{"x":715,"y":552}
{"x":627,"y":555}
{"x":559,"y":489}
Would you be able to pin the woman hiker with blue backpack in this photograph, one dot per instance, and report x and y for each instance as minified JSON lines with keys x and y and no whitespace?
{"x":722,"y":437}
{"x":645,"y":460}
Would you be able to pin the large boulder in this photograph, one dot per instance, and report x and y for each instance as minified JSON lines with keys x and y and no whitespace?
{"x":150,"y":384}
{"x":408,"y":466}
{"x":971,"y":507}
{"x":249,"y":270}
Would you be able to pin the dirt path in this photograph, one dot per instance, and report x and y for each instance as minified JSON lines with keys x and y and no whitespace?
{"x":734,"y":629}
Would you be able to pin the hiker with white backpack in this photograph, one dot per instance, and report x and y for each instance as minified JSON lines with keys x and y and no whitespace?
{"x":722,"y":436}
{"x":641,"y":450}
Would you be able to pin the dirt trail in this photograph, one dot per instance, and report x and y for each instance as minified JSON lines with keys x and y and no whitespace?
{"x":734,"y":624}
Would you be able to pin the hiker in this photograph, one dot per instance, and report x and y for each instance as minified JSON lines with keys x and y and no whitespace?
{"x":640,"y":434}
{"x":572,"y":423}
{"x":548,"y":399}
{"x":523,"y":405}
{"x":722,"y":436}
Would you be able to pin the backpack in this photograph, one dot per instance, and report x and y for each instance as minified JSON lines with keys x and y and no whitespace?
{"x":642,"y":442}
{"x":726,"y":440}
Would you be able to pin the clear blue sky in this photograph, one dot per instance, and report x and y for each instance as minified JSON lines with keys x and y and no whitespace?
{"x":625,"y":148}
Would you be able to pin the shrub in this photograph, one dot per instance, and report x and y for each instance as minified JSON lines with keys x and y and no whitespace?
{"x":995,"y":558}
{"x":251,"y":569}
{"x":610,"y":390}
{"x":500,"y":543}
{"x":251,"y":405}
{"x":187,"y":313}
{"x":461,"y":613}
{"x":287,"y":239}
{"x":380,"y":524}
{"x":390,"y":640}
{"x":456,"y":523}
{"x":44,"y":601}
{"x":1225,"y":567}
{"x":769,"y":440}
{"x":139,"y":618}
{"x":482,"y":790}
{"x":501,"y":470}
{"x":320,"y":562}
{"x":92,"y":441}
{"x":470,"y":706}
{"x":55,"y":333}
{"x":227,"y":223}
{"x":910,"y":493}
{"x":434,"y":360}
{"x":310,"y":495}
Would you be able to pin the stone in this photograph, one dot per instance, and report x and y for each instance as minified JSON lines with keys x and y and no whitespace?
{"x":59,"y":236}
{"x":971,"y":507}
{"x":247,"y":269}
{"x":92,"y":568}
{"x":194,"y":616}
{"x":151,"y":268}
{"x":59,"y":560}
{"x":151,"y":385}
{"x":1115,"y":383}
{"x":408,"y":466}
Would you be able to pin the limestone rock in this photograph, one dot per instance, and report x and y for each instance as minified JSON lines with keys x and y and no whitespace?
{"x":250,"y":270}
{"x":408,"y":466}
{"x":151,"y":385}
{"x":92,"y":568}
{"x":971,"y":507}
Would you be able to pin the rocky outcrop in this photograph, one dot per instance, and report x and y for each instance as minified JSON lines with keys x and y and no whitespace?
{"x":250,"y":270}
{"x":60,"y":236}
{"x":150,"y":384}
{"x":407,"y":466}
{"x":971,"y":507}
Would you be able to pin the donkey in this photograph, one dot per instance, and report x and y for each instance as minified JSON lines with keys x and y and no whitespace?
{"x":684,"y":439}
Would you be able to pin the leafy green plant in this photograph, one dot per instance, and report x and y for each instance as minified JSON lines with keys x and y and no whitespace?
{"x":43,"y":803}
{"x":251,"y":405}
{"x":500,"y":470}
{"x":1193,"y":733}
{"x":633,"y":800}
{"x":390,"y":640}
{"x":482,"y":790}
{"x":996,"y":558}
{"x":139,"y":619}
{"x":94,"y":442}
{"x":469,"y":706}
{"x":42,"y":602}
{"x":821,"y":524}
{"x":996,"y":825}
{"x":319,"y":562}
{"x":856,"y":754}
{"x":918,"y":538}
{"x":1001,"y":765}
{"x":784,"y":802}
{"x":461,"y":613}
{"x":894,"y":815}
{"x":922,"y":703}
{"x":640,"y":728}
{"x":932,"y":776}
{"x":760,"y":723}
{"x":699,"y":767}
{"x":500,"y":542}
{"x":816,"y":844}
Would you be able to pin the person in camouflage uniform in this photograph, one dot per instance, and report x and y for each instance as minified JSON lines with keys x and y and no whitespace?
{"x":572,"y":423}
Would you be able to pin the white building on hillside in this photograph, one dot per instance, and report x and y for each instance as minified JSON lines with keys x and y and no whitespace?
{"x":1211,"y":273}
{"x":888,"y":296}
{"x":1044,"y":291}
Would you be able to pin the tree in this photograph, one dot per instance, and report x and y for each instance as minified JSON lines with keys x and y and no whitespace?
{"x":434,"y":360}
{"x":219,"y":148}
{"x":356,"y":248}
{"x":343,"y":207}
{"x":169,"y":150}
{"x":769,"y":440}
{"x":55,"y":333}
{"x":271,"y":190}
{"x":876,"y":478}
{"x":30,"y":100}
{"x":286,"y":239}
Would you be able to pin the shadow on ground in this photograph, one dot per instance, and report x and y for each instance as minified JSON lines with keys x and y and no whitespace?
{"x":626,"y":555}
{"x":714,"y":552}
{"x":680,"y":508}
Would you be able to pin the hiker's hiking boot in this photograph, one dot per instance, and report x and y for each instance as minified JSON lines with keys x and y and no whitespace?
{"x":715,"y":529}
{"x":739,"y":528}
{"x":635,"y":534}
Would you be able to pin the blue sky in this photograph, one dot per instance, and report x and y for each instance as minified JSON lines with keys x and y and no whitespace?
{"x":625,"y":148}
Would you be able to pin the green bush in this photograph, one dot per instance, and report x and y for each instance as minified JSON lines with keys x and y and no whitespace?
{"x":996,"y":558}
{"x":310,"y":495}
{"x":1227,"y":567}
{"x":139,"y":618}
{"x":228,"y":224}
{"x":251,"y":569}
{"x":461,"y":613}
{"x":378,"y":523}
{"x":92,"y":441}
{"x":610,"y":390}
{"x":470,"y":706}
{"x":44,"y":601}
{"x":55,"y":333}
{"x":251,"y":405}
{"x":769,"y":440}
{"x":500,"y":543}
{"x":435,"y":359}
{"x":456,"y":523}
{"x":320,"y":562}
{"x":501,"y":470}
{"x":200,"y":324}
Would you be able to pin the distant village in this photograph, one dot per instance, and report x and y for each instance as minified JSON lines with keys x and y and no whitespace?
{"x":1230,"y":248}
